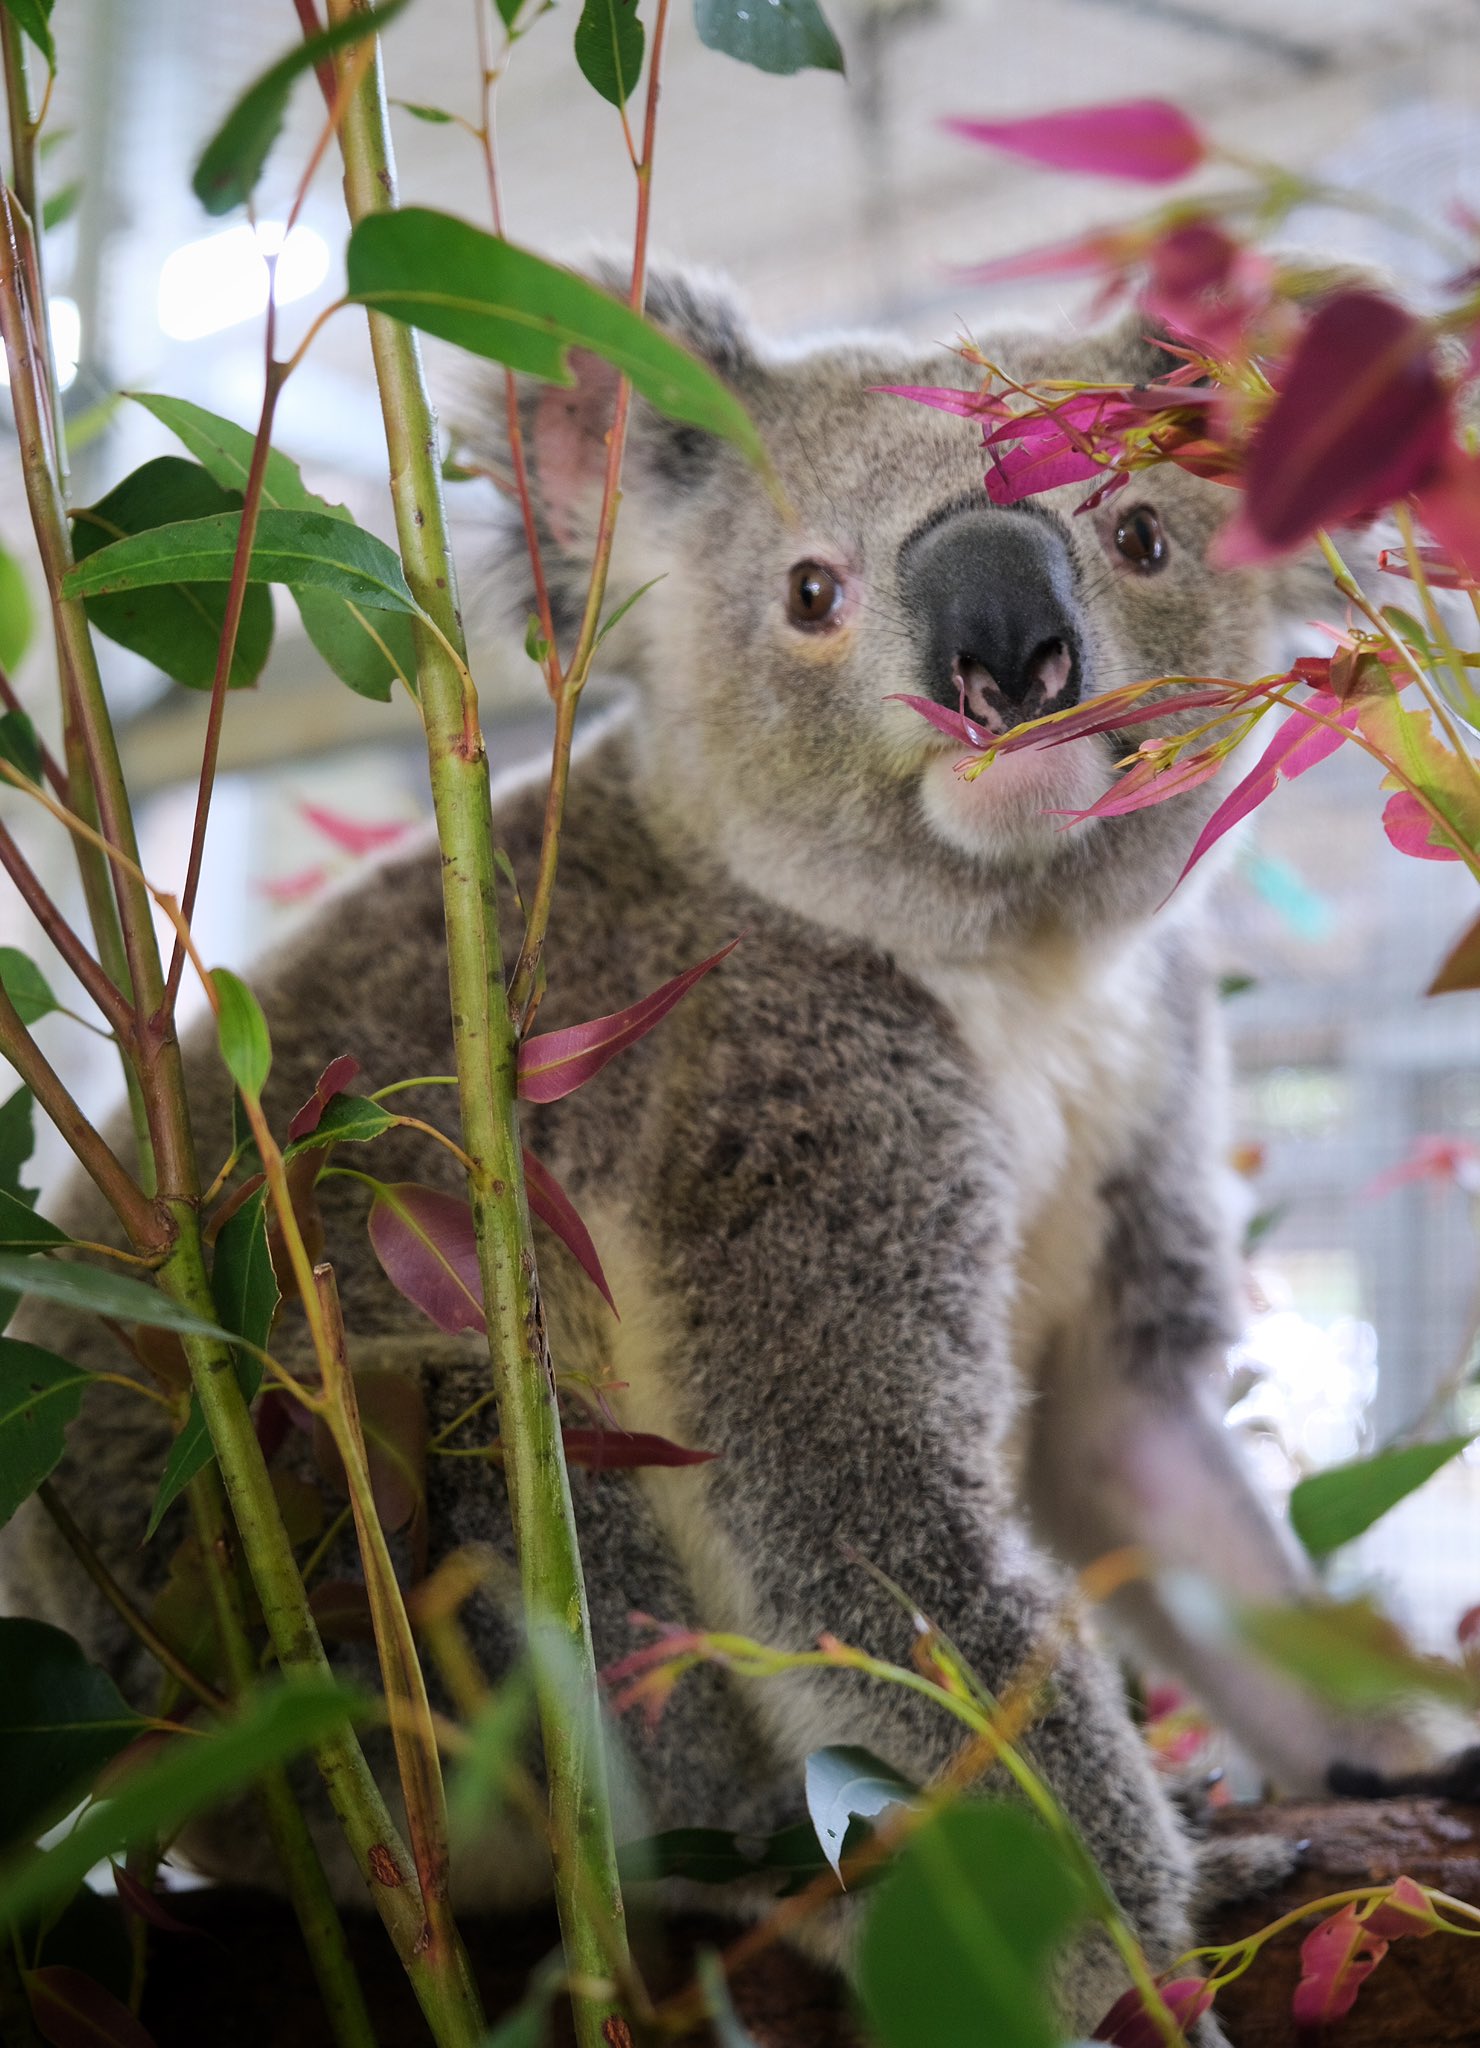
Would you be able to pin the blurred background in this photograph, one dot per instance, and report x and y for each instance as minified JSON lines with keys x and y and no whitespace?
{"x":833,"y":205}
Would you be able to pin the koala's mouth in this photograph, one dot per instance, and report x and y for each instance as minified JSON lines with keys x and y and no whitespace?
{"x":1048,"y":680}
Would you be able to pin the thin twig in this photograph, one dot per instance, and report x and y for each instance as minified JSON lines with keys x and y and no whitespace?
{"x":111,"y":1001}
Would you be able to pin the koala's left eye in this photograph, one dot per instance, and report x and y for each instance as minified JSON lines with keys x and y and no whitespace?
{"x":813,"y":594}
{"x":1139,"y":540}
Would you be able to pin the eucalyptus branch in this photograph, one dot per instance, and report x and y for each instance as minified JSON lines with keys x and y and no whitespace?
{"x":539,"y":1489}
{"x":111,"y":1001}
{"x":25,"y":128}
{"x":523,"y":988}
{"x":142,"y":1218}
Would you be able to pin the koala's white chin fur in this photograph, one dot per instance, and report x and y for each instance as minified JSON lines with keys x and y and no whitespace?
{"x":1013,"y":807}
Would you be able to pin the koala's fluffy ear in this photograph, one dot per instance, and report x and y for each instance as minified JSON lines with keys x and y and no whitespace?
{"x":565,"y":428}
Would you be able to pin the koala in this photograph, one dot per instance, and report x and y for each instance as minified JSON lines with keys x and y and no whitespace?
{"x":913,"y":1209}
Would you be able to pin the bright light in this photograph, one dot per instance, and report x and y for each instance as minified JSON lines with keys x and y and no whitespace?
{"x":222,"y":280}
{"x":66,"y":343}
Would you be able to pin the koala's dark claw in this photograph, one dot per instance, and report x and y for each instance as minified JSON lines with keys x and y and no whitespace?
{"x":1457,"y":1779}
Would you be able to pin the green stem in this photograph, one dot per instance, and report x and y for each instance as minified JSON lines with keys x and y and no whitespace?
{"x":538,"y":1485}
{"x":293,"y":1844}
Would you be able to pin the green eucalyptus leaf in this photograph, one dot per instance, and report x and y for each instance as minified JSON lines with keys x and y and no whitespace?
{"x":964,"y":1931}
{"x":22,"y":1230}
{"x":497,"y":1739}
{"x":61,"y":1720}
{"x":728,"y":2032}
{"x":241,"y":1030}
{"x":62,"y":204}
{"x":488,"y":296}
{"x":1350,"y":1654}
{"x":33,"y":17}
{"x":714,"y":1856}
{"x":191,"y":1773}
{"x":247,"y":1295}
{"x":438,"y":116}
{"x":101,"y":1291}
{"x":17,"y":613}
{"x":844,"y":1782}
{"x":347,"y":1120}
{"x":26,"y":985}
{"x":19,"y":744}
{"x":369,"y":657}
{"x":780,"y":36}
{"x":616,"y":617}
{"x":232,"y":160}
{"x":1331,"y":1507}
{"x":609,"y":45}
{"x":508,"y":11}
{"x":177,"y":626}
{"x":301,"y":549}
{"x":39,"y":1395}
{"x":17,"y":1143}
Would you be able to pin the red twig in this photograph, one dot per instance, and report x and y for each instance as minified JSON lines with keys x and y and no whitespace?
{"x":110,"y":1000}
{"x":323,"y":71}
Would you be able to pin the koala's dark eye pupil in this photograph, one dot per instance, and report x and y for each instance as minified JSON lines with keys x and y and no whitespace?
{"x":1139,"y":538}
{"x":812,"y":594}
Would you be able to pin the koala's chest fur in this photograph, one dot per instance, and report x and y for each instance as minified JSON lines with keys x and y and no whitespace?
{"x":1068,"y":1045}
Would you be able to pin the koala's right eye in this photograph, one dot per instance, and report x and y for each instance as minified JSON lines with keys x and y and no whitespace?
{"x":813,"y":594}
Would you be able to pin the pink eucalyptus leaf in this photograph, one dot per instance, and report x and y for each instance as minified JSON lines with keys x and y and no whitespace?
{"x":335,"y":1080}
{"x":1361,"y":418}
{"x":555,"y":1063}
{"x":1450,"y":507}
{"x":1406,"y":1910}
{"x":970,"y":405}
{"x":1129,"y":2025}
{"x":1074,"y":258}
{"x":1410,"y":828}
{"x":1144,"y":784}
{"x":1447,"y":1161}
{"x":352,"y":835}
{"x":294,"y":888}
{"x":1440,"y":573}
{"x":954,"y":724}
{"x":1298,"y":744}
{"x":1104,"y":715}
{"x":553,"y":1206}
{"x":612,"y":1450}
{"x":72,"y":2010}
{"x":1335,"y":1962}
{"x":1149,"y":141}
{"x":1025,"y":472}
{"x":425,"y":1243}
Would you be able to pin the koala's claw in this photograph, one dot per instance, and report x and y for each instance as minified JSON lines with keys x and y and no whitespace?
{"x":1457,"y":1778}
{"x":1238,"y":1867}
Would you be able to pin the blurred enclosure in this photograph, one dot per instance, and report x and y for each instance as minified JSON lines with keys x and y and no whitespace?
{"x":833,"y":206}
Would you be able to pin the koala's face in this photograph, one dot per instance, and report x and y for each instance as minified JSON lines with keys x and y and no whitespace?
{"x":772,"y":650}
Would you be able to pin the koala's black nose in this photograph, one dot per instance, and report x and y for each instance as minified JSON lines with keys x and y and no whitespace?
{"x":993,"y":591}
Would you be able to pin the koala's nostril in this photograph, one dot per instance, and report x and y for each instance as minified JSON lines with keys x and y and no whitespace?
{"x":1050,"y":665}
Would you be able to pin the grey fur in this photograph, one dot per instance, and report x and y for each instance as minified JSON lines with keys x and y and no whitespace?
{"x":911,"y":1207}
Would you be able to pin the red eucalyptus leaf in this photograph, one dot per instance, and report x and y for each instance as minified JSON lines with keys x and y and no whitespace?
{"x":138,"y":1898}
{"x":1108,"y":251}
{"x":555,"y":1063}
{"x":1129,"y":2025}
{"x":553,"y":1206}
{"x":393,"y":1422}
{"x":1299,"y":743}
{"x":1149,"y":141}
{"x":335,"y":1080}
{"x":1102,"y":715}
{"x":1410,"y":828}
{"x":1335,"y":1962}
{"x":1025,"y":471}
{"x":1455,"y":1161}
{"x":1450,"y":506}
{"x":610,"y":1450}
{"x":72,"y":2010}
{"x":1460,"y":968}
{"x":294,"y":888}
{"x":1362,"y":418}
{"x":350,"y":835}
{"x":425,"y":1243}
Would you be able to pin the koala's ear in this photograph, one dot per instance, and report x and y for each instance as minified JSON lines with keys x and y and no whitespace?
{"x":565,"y":427}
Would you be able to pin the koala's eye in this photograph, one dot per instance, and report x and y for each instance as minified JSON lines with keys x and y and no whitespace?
{"x":813,"y":594}
{"x":1140,"y":540}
